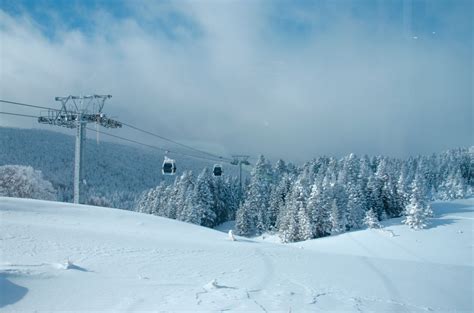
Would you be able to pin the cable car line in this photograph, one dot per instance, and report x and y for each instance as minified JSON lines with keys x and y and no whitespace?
{"x":126,"y":139}
{"x":169,"y":165}
{"x":18,"y":114}
{"x":152,"y":146}
{"x":175,"y":142}
{"x":28,"y":105}
{"x":133,"y":127}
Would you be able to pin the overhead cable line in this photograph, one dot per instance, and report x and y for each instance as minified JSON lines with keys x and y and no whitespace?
{"x":28,"y":105}
{"x":18,"y":114}
{"x":127,"y":139}
{"x":152,"y":146}
{"x":176,"y":143}
{"x":218,"y":157}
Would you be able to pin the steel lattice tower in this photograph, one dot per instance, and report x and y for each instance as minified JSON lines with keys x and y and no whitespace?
{"x":77,"y":112}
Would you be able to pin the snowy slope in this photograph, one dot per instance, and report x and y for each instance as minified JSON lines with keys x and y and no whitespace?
{"x":126,"y":261}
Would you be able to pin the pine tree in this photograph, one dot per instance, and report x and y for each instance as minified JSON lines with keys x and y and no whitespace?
{"x":279,"y":170}
{"x":288,"y":230}
{"x":201,"y":202}
{"x":157,"y":199}
{"x":371,"y":220}
{"x":233,"y":198}
{"x":403,"y":186}
{"x":336,"y":219}
{"x":418,"y":210}
{"x":319,"y":206}
{"x":374,"y":196}
{"x":340,"y":194}
{"x":304,"y":221}
{"x":218,"y":189}
{"x":164,"y":201}
{"x":170,"y":207}
{"x":256,"y":219}
{"x":278,"y":199}
{"x":417,"y":214}
{"x":356,"y":206}
{"x":184,"y":192}
{"x":143,"y":203}
{"x":453,"y":187}
{"x":295,"y":223}
{"x":245,"y":220}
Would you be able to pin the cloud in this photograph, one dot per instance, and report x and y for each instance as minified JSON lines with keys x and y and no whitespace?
{"x":291,"y":81}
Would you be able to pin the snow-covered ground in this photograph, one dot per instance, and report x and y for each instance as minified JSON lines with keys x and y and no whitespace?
{"x":125,"y":261}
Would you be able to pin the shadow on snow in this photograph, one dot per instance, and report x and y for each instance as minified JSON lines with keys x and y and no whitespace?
{"x":10,"y":293}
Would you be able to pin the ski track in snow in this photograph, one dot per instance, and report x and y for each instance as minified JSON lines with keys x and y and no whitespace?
{"x":459,"y":217}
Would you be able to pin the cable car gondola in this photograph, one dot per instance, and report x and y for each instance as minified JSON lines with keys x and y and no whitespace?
{"x":217,"y":170}
{"x":169,"y":167}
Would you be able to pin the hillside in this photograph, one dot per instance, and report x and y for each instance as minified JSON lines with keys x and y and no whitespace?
{"x":117,"y":172}
{"x":126,"y":261}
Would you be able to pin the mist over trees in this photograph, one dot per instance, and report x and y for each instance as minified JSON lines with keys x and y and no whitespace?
{"x":323,"y":197}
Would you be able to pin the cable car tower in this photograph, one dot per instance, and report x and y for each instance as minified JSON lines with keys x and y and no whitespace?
{"x":77,"y":112}
{"x":239,"y":160}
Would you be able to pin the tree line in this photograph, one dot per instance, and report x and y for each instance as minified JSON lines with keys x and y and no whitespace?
{"x":322,"y":197}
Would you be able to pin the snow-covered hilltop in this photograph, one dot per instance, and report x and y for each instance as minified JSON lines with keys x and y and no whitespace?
{"x":126,"y":261}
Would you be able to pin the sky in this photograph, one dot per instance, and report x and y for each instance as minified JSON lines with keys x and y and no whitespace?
{"x":287,"y":79}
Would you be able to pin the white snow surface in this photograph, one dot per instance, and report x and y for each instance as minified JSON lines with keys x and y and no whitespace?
{"x":64,"y":257}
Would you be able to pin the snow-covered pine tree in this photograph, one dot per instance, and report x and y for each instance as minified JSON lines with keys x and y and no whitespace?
{"x":156,"y":199}
{"x":143,"y":203}
{"x":403,"y":189}
{"x":374,"y":196}
{"x":170,"y":208}
{"x":185,"y":189}
{"x":149,"y":201}
{"x":341,"y":189}
{"x":294,"y":222}
{"x":336,"y":217}
{"x":288,"y":231}
{"x":279,"y":170}
{"x":278,"y":199}
{"x":356,"y":205}
{"x":453,"y":187}
{"x":253,"y":216}
{"x":245,"y":220}
{"x":220,"y":201}
{"x":304,"y":221}
{"x":364,"y":173}
{"x":292,"y":169}
{"x":391,"y":198}
{"x":162,"y":208}
{"x":233,"y":197}
{"x":459,"y":185}
{"x":200,"y":204}
{"x":387,"y":190}
{"x":418,"y":210}
{"x":371,"y":220}
{"x":320,"y":204}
